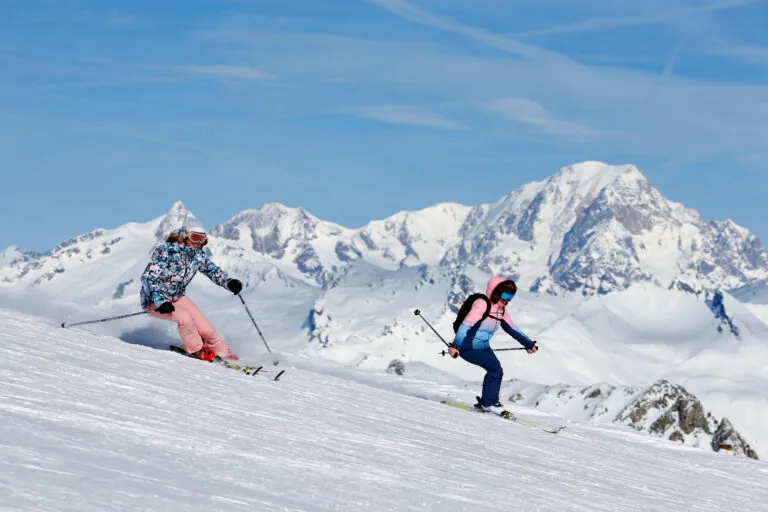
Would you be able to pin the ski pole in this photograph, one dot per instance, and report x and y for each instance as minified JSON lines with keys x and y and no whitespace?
{"x":444,"y":352}
{"x":418,"y":313}
{"x":64,"y":324}
{"x":275,"y":361}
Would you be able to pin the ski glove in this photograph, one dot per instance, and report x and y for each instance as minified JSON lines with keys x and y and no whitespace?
{"x":234,"y":286}
{"x":533,"y":348}
{"x":166,"y":308}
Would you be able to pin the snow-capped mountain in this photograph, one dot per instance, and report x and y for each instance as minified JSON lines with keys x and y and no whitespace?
{"x":620,"y":286}
{"x":598,"y":228}
{"x":317,"y":251}
{"x":591,"y":228}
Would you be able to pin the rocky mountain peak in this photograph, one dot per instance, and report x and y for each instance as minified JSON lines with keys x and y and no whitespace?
{"x":174,"y":219}
{"x":727,"y":438}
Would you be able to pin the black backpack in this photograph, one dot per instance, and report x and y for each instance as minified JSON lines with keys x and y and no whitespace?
{"x":464,"y":310}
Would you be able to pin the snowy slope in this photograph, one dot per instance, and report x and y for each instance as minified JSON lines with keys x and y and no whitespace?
{"x":366,"y":320}
{"x":755,"y":298}
{"x":754,"y":293}
{"x":93,"y":423}
{"x":663,"y":409}
{"x":631,"y":338}
{"x":643,"y":272}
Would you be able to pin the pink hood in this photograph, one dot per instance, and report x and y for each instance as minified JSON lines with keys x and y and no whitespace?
{"x":498,"y":309}
{"x":493,"y":283}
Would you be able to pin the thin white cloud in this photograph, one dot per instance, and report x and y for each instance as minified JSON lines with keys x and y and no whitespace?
{"x":226,"y":72}
{"x":659,"y":17}
{"x":652,"y":115}
{"x":404,"y":115}
{"x":531,"y":113}
{"x":107,"y":83}
{"x":145,"y":134}
{"x":410,"y":12}
{"x":746,"y":53}
{"x":669,"y":68}
{"x":543,"y":73}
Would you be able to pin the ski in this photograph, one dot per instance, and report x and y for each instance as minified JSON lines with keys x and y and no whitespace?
{"x":509,"y":416}
{"x":248,"y":370}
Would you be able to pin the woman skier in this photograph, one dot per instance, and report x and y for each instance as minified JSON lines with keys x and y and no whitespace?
{"x":165,"y":279}
{"x":477,"y":322}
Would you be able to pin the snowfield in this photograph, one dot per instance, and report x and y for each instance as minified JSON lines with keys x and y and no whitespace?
{"x":652,"y":323}
{"x":89,"y":422}
{"x":623,"y":289}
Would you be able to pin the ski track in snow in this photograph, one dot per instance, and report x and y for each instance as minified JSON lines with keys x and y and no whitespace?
{"x":90,"y":423}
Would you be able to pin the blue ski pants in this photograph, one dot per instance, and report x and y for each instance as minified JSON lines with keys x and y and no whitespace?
{"x":487,"y":360}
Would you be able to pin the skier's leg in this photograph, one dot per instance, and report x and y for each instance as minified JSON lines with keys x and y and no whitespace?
{"x":210,"y":336}
{"x":190,"y":338}
{"x":487,"y":360}
{"x":493,"y":378}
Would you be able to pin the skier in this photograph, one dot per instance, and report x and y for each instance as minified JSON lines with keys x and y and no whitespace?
{"x":477,"y":322}
{"x":165,"y":279}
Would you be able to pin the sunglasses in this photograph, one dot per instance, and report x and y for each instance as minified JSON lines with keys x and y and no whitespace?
{"x":507,"y":296}
{"x":197,"y":238}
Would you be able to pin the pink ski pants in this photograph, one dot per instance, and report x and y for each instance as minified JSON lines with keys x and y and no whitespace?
{"x":195,"y":330}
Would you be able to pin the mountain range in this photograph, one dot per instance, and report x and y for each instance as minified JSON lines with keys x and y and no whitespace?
{"x":620,"y":286}
{"x":590,"y":228}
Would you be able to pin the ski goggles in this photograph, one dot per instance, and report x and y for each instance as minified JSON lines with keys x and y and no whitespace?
{"x":507,"y":296}
{"x":197,"y":238}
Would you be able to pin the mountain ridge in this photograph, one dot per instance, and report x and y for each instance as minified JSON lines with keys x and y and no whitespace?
{"x":591,"y":228}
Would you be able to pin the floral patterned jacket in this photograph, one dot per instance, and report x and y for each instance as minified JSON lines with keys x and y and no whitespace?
{"x":172,"y":267}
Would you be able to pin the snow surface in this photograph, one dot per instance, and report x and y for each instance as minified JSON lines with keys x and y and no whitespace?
{"x":755,"y":293}
{"x":365,"y":320}
{"x":92,"y":423}
{"x":347,"y":295}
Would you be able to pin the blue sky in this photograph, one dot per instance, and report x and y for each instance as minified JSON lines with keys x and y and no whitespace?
{"x":356,"y":109}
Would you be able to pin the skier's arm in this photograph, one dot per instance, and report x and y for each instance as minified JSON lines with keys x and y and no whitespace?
{"x":213,"y":272}
{"x":516,"y":333}
{"x":154,"y":275}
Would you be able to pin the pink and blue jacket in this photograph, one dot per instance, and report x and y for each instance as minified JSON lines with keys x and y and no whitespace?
{"x":476,"y":335}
